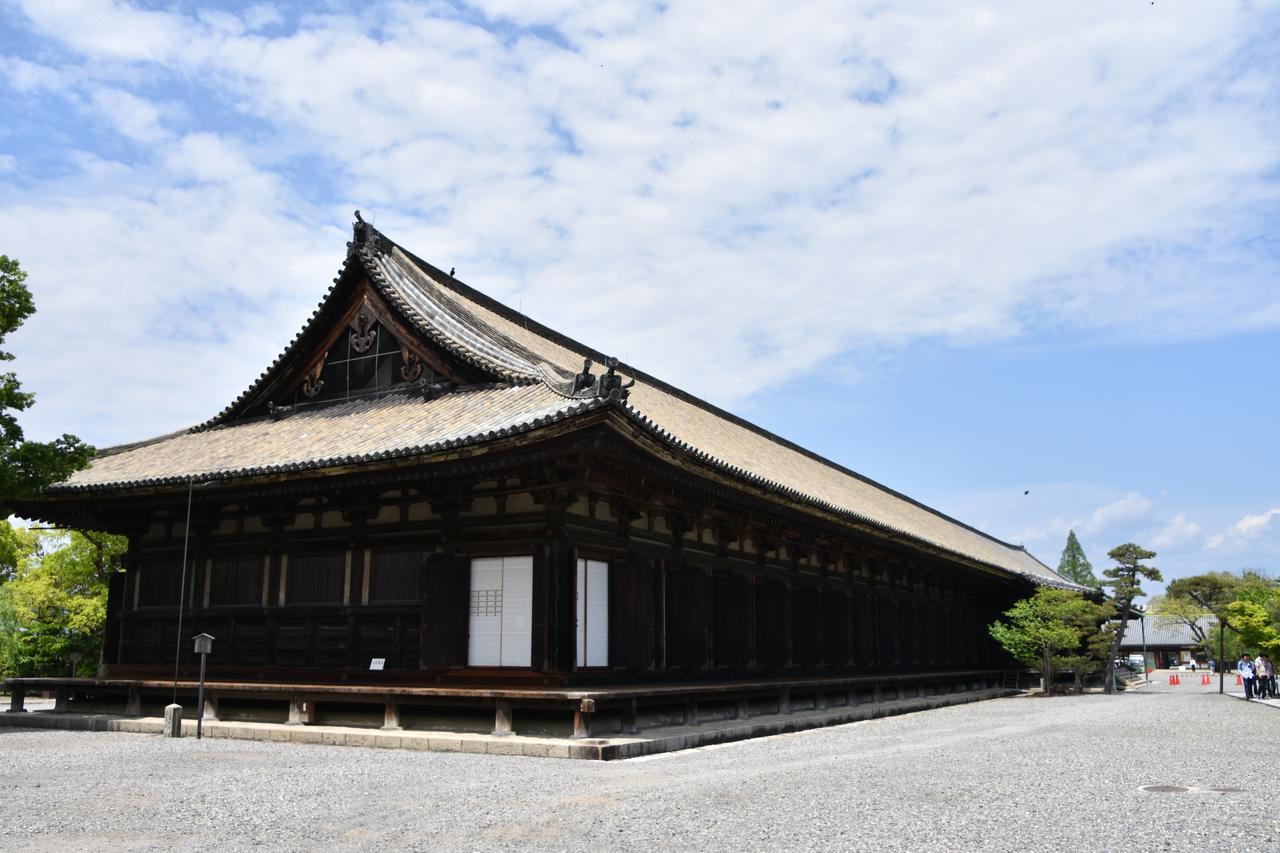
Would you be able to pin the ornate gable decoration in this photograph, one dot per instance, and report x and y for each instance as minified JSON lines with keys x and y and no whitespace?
{"x":369,"y":351}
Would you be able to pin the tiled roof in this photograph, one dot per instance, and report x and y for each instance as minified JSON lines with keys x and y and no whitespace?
{"x":536,"y":363}
{"x":1164,"y":631}
{"x":380,"y":428}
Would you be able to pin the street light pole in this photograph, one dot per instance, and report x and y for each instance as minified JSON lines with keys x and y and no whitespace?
{"x":1222,"y":651}
{"x":1223,"y":626}
{"x":182,"y":589}
{"x":1142,"y":622}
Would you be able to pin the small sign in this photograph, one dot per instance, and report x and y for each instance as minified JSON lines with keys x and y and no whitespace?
{"x":377,"y":663}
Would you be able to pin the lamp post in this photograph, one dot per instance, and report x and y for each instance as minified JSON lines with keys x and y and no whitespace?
{"x":76,"y":657}
{"x":1223,"y":627}
{"x":204,"y":645}
{"x":1142,"y":621}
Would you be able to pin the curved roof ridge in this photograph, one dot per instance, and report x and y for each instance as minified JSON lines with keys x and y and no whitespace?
{"x":590,"y":352}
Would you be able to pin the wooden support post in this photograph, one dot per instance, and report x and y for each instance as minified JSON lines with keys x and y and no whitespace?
{"x":210,"y":707}
{"x":391,"y":715}
{"x":133,"y":705}
{"x":17,"y":700}
{"x":630,"y":718}
{"x":691,"y":713}
{"x":876,"y":695}
{"x":743,"y":708}
{"x":61,"y":697}
{"x":784,"y":701}
{"x":302,"y":712}
{"x":820,"y":700}
{"x":502,"y":719}
{"x":582,"y":718}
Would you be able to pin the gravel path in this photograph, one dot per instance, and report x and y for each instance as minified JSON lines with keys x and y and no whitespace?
{"x":1011,"y":774}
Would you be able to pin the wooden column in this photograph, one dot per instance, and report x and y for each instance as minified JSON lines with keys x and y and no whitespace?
{"x":630,"y":718}
{"x":562,"y":639}
{"x":391,"y":715}
{"x":133,"y":705}
{"x":502,"y":719}
{"x":17,"y":700}
{"x":61,"y":697}
{"x":210,"y":711}
{"x":582,"y":718}
{"x":302,"y":712}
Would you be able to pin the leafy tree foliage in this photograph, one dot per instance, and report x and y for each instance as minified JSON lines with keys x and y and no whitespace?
{"x":1074,"y":565}
{"x":26,"y":466}
{"x":1124,"y":579}
{"x":56,"y":601}
{"x":1248,"y":601}
{"x":1051,"y":628}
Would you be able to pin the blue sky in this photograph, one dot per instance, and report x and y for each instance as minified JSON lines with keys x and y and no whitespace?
{"x":968,"y":251}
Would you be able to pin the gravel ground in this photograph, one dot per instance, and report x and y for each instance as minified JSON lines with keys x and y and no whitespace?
{"x":1010,"y":774}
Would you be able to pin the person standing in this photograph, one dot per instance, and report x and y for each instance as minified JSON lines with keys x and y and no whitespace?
{"x":1245,"y":668}
{"x":1265,"y":677}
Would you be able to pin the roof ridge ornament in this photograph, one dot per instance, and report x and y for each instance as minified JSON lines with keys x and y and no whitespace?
{"x":608,"y":386}
{"x":611,"y":385}
{"x":365,"y":236}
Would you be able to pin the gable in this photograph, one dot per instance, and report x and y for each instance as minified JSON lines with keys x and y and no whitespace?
{"x":368,"y":351}
{"x":356,"y":345}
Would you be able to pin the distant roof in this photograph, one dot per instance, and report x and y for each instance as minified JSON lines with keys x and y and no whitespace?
{"x":1164,"y":631}
{"x":532,"y":368}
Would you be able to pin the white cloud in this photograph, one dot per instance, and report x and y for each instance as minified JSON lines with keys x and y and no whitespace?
{"x":1178,"y":532}
{"x":136,"y":118}
{"x":746,"y":193}
{"x":1255,"y":525}
{"x":8,"y":162}
{"x":1124,"y":511}
{"x":1249,"y":532}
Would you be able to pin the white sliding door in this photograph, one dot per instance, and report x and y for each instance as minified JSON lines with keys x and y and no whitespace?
{"x":593,"y":613}
{"x":501,"y":619}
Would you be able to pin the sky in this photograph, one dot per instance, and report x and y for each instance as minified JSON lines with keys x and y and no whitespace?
{"x":1019,"y":262}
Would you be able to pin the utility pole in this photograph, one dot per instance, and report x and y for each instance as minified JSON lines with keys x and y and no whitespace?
{"x":1223,"y":627}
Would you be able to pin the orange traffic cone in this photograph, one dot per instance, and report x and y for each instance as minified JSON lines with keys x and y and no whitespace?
{"x":1204,"y":679}
{"x":1171,"y":681}
{"x":1177,"y":679}
{"x":1238,"y":681}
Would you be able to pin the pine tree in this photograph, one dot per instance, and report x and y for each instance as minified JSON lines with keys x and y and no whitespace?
{"x":1074,"y":565}
{"x":1047,"y":630}
{"x":1123,"y":578}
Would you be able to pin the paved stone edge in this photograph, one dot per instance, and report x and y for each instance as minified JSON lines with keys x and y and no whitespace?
{"x":598,"y":749}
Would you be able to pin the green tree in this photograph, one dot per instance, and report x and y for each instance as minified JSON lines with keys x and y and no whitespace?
{"x":1254,"y":612}
{"x":1092,"y":624}
{"x":1044,"y":628}
{"x":1248,"y":601}
{"x":1074,"y":565}
{"x":56,"y":602}
{"x":1187,"y":611}
{"x":15,"y":544}
{"x":26,"y":467}
{"x":1124,"y":579}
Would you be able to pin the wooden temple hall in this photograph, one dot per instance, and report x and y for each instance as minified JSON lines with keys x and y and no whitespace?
{"x":431,"y":510}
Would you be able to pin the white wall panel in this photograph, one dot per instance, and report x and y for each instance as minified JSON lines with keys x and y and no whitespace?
{"x":484,"y":638}
{"x":592,"y":604}
{"x":517,"y":611}
{"x":501,"y":616}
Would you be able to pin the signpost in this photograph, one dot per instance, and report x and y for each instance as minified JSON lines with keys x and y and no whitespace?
{"x":204,"y":645}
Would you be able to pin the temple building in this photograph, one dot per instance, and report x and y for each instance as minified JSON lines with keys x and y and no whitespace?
{"x":429,"y":498}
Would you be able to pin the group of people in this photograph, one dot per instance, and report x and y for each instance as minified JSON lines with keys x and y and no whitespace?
{"x":1259,"y":677}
